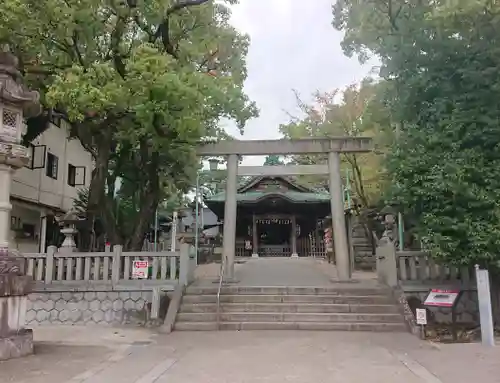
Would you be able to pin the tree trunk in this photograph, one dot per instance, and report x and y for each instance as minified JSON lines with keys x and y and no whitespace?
{"x":149,"y":199}
{"x":98,"y":204}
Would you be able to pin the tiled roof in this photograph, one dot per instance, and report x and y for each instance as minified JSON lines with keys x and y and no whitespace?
{"x":254,"y":196}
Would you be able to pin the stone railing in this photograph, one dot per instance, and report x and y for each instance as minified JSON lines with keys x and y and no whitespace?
{"x":111,"y":267}
{"x":417,"y":268}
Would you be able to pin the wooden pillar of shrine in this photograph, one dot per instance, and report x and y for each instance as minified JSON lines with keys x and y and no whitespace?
{"x":294,"y":237}
{"x":255,"y":237}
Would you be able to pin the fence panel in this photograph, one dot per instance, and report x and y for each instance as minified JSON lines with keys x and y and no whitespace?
{"x":419,"y":267}
{"x":104,"y":267}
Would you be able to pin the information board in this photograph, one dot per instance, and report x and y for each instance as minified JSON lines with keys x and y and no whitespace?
{"x":140,"y":269}
{"x":421,"y":315}
{"x":441,"y":298}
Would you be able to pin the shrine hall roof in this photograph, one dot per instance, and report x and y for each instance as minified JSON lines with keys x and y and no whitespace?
{"x":255,"y":196}
{"x":260,"y":188}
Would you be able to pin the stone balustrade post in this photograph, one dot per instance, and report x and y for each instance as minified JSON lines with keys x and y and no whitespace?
{"x":49,"y":264}
{"x":117,"y":263}
{"x":184,"y":264}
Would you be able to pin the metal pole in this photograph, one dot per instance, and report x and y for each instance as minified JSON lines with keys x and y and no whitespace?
{"x":196,"y":214}
{"x":156,"y":230}
{"x":401,"y":231}
{"x":173,"y":238}
{"x":173,"y":231}
{"x":202,"y":209}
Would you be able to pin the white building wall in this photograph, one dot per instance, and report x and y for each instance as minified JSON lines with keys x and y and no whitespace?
{"x":36,"y":195}
{"x":34,"y":185}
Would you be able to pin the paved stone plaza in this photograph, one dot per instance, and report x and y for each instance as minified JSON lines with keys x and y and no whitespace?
{"x":282,"y":271}
{"x":106,"y":355}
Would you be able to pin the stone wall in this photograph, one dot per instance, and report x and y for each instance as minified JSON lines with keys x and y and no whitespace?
{"x":89,"y":307}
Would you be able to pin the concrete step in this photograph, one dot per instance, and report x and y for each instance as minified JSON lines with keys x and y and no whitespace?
{"x":290,"y":308}
{"x":288,"y":317}
{"x":311,"y":326}
{"x":312,"y":299}
{"x":331,"y":290}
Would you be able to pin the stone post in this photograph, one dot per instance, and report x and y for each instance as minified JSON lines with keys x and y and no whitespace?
{"x":338,"y":220}
{"x":16,"y":103}
{"x":229,"y":234}
{"x":185,"y":274}
{"x":117,"y":263}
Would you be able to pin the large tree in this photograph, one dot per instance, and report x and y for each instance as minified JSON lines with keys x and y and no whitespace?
{"x":141,"y":83}
{"x":442,"y":61}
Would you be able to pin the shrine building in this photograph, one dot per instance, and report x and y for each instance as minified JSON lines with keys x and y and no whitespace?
{"x":276,"y":217}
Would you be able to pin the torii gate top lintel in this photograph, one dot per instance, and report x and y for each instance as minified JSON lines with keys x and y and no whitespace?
{"x":287,"y":147}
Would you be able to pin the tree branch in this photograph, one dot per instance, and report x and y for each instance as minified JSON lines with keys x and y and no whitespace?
{"x":74,"y":39}
{"x":163,"y":29}
{"x":184,"y":4}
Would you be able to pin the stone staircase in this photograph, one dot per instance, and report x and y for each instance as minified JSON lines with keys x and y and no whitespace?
{"x":290,"y":308}
{"x":364,"y":258}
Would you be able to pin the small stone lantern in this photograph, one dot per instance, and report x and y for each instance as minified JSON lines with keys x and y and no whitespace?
{"x":16,"y":103}
{"x":68,"y":223}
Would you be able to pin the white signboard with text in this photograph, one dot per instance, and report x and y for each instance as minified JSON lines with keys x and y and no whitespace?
{"x":140,"y":269}
{"x":421,"y":315}
{"x":441,"y":298}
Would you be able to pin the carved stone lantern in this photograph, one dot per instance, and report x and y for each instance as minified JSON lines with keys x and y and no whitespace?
{"x":68,"y":223}
{"x":389,"y":214}
{"x":16,"y":103}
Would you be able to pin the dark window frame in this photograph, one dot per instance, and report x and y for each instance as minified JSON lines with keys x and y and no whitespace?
{"x":72,"y":170}
{"x":31,"y":163}
{"x":52,"y":168}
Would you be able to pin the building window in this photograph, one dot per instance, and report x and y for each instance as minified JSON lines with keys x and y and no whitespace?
{"x":28,"y":231}
{"x":76,"y":175}
{"x":71,"y":175}
{"x":37,"y":156}
{"x":52,"y":165}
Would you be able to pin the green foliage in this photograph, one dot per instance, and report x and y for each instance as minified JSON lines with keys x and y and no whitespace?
{"x":273,"y":160}
{"x":141,"y":82}
{"x":355,"y":111}
{"x":441,"y":60}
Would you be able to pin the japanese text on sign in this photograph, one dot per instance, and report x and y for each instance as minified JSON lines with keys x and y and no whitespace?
{"x":421,"y":315}
{"x":140,"y":269}
{"x":441,"y":298}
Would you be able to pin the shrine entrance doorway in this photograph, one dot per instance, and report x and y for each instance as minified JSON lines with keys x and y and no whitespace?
{"x":274,"y":237}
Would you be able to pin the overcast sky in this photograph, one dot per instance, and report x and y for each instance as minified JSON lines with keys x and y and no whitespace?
{"x":293,"y":46}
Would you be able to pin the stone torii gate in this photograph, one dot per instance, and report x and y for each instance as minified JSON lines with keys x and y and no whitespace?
{"x":333,"y":146}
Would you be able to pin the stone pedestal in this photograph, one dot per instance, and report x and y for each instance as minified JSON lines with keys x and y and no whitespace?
{"x":15,"y":340}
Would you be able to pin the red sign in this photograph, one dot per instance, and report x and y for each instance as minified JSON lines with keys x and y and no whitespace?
{"x":140,"y":269}
{"x":441,"y":298}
